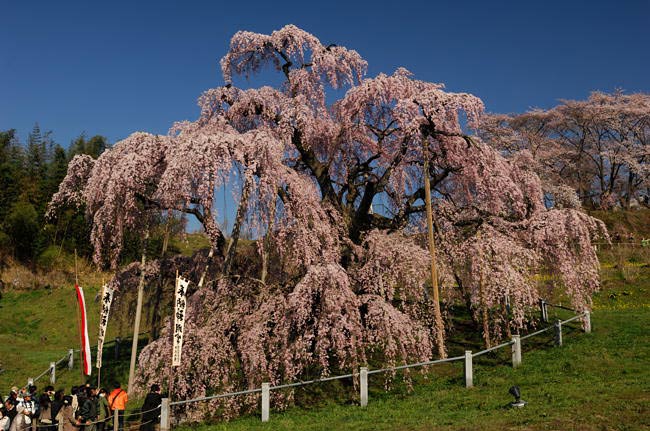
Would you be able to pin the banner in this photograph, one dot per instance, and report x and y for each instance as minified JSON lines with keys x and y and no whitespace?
{"x":107,"y":299}
{"x":179,"y":319}
{"x":83,"y":327}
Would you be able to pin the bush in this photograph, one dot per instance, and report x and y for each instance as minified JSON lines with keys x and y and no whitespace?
{"x":50,"y":257}
{"x":22,"y":229}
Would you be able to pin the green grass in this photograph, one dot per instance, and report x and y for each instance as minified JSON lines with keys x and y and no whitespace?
{"x":191,"y":243}
{"x":625,"y":222}
{"x":40,"y":326}
{"x":598,"y":381}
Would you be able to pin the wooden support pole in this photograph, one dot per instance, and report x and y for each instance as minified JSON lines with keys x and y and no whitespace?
{"x":437,"y":315}
{"x":138,"y":314}
{"x":558,"y":333}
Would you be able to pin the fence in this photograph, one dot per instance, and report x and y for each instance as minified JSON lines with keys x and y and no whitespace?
{"x":364,"y":372}
{"x":69,"y":357}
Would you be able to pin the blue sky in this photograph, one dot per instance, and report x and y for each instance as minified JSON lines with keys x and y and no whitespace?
{"x":116,"y":67}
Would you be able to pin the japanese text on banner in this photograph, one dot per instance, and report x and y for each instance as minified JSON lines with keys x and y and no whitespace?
{"x":107,"y":299}
{"x":179,"y":319}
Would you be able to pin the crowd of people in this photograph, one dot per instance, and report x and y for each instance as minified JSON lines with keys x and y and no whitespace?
{"x":85,"y":408}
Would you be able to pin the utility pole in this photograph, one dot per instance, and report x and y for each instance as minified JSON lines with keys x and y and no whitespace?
{"x":437,"y":315}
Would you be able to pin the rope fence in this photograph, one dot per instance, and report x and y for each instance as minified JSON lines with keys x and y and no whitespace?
{"x":419,"y":364}
{"x":114,"y":419}
{"x":362,"y":375}
{"x":69,"y":358}
{"x":364,"y":372}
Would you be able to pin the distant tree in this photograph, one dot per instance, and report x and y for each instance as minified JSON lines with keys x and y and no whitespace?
{"x":22,"y":227}
{"x":600,"y":147}
{"x":93,"y":147}
{"x":10,"y":170}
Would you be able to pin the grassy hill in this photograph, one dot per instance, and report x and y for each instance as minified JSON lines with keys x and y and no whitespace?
{"x":599,"y":381}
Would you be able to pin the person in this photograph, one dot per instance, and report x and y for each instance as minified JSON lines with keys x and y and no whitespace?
{"x":29,"y":408}
{"x":88,"y":410}
{"x":10,"y":409}
{"x":151,"y":409}
{"x":13,"y":395}
{"x":103,"y":412}
{"x":19,"y":423}
{"x":74,"y":400}
{"x":35,"y":408}
{"x":117,"y":400}
{"x":55,"y":407}
{"x":65,"y":418}
{"x":5,"y":422}
{"x":45,"y":410}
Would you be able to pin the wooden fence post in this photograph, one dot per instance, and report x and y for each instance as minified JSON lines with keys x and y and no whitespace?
{"x":587,"y":322}
{"x":164,"y":414}
{"x":363,"y":386}
{"x":52,"y":372}
{"x":70,"y":359}
{"x":266,"y":395}
{"x":469,"y":374}
{"x":116,"y":420}
{"x":516,"y":351}
{"x":558,"y":333}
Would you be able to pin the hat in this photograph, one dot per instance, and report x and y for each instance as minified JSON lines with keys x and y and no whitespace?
{"x":14,"y":389}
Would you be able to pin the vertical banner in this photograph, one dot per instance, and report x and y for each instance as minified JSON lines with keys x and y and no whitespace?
{"x":179,"y":319}
{"x":107,"y":299}
{"x":83,"y":327}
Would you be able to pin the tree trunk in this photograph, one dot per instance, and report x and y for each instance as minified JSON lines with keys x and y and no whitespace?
{"x":239,"y":220}
{"x":266,"y":244}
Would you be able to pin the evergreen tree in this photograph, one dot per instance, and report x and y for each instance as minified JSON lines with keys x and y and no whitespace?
{"x":11,"y":163}
{"x":93,"y":146}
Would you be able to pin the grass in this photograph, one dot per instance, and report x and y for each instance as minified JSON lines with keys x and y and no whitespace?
{"x":598,"y":381}
{"x":190,"y":243}
{"x":621,"y":223}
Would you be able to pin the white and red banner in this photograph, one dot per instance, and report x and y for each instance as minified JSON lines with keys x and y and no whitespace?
{"x":107,"y":299}
{"x":179,"y":319}
{"x":83,"y":327}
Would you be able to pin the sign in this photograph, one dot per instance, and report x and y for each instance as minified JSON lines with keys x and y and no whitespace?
{"x":179,"y":319}
{"x":107,"y":299}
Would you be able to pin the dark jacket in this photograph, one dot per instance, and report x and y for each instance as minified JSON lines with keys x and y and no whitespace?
{"x":88,"y":411}
{"x":11,"y":413}
{"x":151,"y":407}
{"x":54,"y":409}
